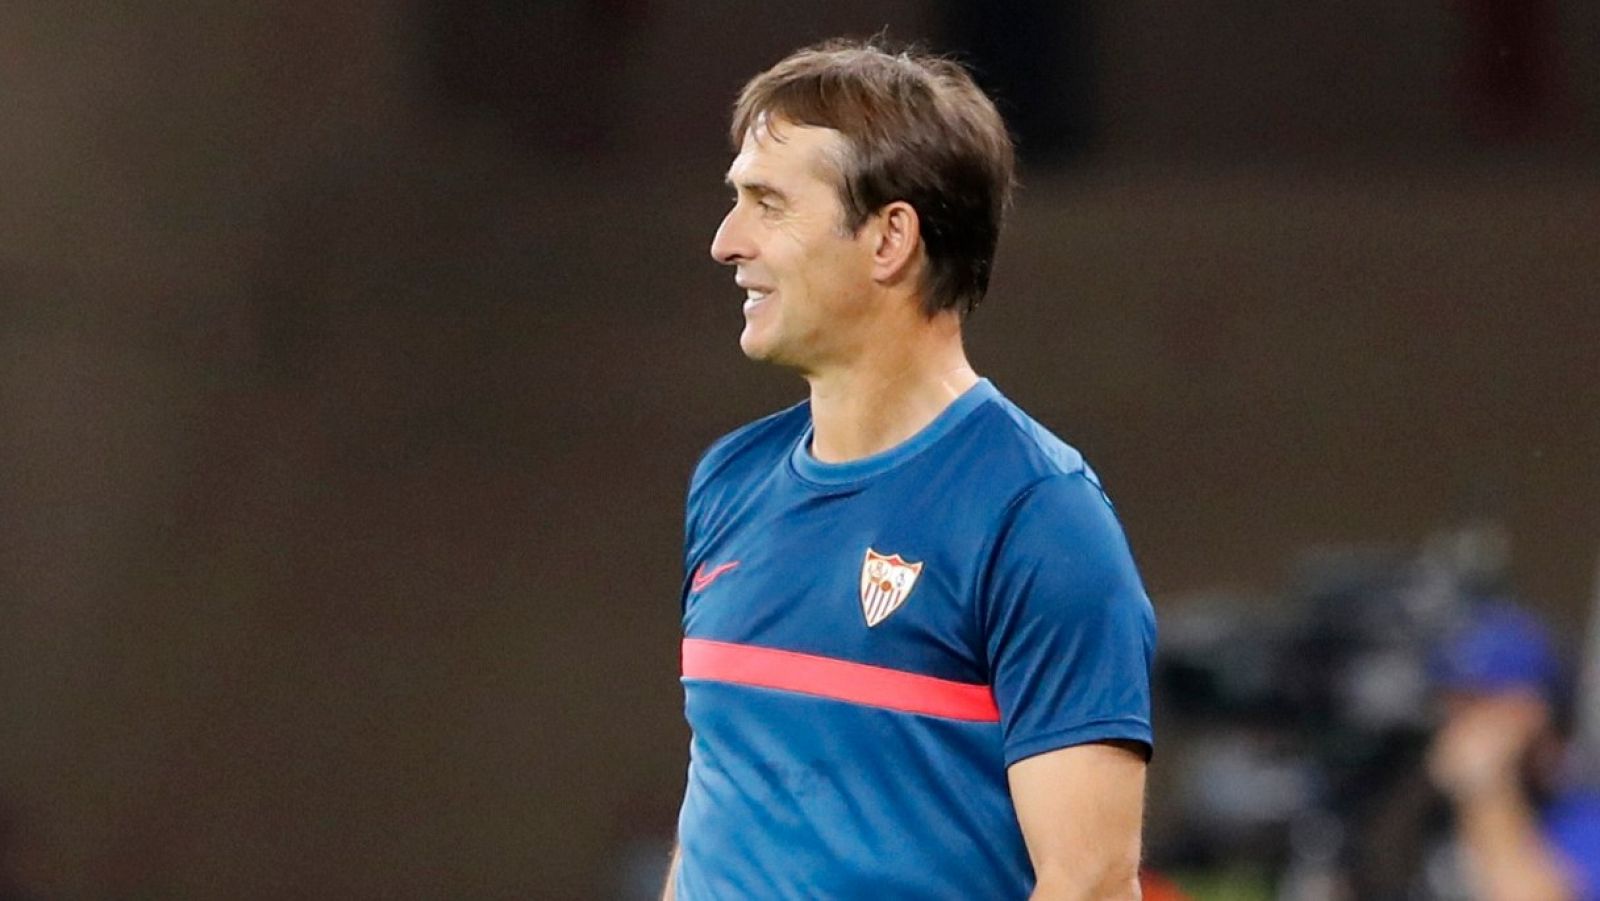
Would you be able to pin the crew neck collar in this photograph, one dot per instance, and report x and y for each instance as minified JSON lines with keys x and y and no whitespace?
{"x":811,"y":469}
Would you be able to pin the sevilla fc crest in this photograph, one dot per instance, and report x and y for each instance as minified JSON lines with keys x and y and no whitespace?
{"x":885,"y":582}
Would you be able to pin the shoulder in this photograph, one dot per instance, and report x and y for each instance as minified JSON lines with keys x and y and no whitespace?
{"x":1002,"y":471}
{"x":1029,"y":465}
{"x":753,"y":447}
{"x":1054,"y":511}
{"x":1016,"y":455}
{"x":1062,"y":531}
{"x":1035,"y":448}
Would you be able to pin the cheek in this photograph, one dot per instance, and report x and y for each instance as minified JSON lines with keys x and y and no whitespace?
{"x":824,"y":276}
{"x":845,"y":277}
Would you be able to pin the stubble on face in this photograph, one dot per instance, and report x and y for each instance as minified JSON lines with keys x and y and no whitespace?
{"x":809,"y":268}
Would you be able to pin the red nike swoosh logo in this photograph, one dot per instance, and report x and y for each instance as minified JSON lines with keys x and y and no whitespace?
{"x":702,"y":579}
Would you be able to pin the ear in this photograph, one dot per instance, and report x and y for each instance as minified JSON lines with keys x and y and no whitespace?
{"x":899,"y":243}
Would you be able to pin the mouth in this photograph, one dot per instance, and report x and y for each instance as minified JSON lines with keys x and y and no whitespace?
{"x":755,"y":297}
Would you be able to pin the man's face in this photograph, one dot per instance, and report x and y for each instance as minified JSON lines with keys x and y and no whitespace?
{"x":807,"y":281}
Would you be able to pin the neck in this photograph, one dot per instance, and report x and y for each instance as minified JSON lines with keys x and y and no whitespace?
{"x":885,"y":397}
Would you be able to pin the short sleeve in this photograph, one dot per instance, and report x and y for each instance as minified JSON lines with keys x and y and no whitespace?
{"x":1068,"y":628}
{"x":1572,"y":826}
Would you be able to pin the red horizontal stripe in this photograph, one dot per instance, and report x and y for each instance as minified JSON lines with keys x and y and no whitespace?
{"x":842,"y":680}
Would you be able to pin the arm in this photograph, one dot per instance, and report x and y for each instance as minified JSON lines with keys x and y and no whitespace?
{"x":1477,"y":762}
{"x":1070,"y":634}
{"x":1081,"y":810}
{"x":667,"y":893}
{"x":1510,"y":860}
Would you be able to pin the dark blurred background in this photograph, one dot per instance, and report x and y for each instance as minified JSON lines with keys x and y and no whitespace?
{"x":356,"y":357}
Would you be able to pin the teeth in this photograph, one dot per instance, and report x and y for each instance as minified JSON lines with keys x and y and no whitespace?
{"x":753,"y":294}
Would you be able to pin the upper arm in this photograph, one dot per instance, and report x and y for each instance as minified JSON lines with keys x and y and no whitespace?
{"x":1069,"y":631}
{"x":1070,"y":634}
{"x":669,"y":891}
{"x":1081,"y":811}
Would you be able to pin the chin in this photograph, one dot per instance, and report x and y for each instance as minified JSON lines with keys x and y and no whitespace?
{"x":755,"y":345}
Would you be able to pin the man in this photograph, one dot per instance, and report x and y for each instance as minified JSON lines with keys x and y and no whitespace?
{"x":916,"y":649}
{"x":1498,"y":758}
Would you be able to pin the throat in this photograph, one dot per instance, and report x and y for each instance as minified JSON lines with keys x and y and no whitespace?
{"x":852,"y":421}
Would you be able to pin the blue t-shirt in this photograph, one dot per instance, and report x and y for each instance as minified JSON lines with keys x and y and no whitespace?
{"x":1571,"y":824}
{"x":869,"y":645}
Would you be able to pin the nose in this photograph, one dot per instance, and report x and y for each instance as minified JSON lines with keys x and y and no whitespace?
{"x":731,"y":244}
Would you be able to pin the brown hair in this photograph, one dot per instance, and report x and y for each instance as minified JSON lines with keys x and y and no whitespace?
{"x":917,"y":129}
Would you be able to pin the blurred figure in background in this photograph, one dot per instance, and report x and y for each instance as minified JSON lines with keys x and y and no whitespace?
{"x":1501,"y":758}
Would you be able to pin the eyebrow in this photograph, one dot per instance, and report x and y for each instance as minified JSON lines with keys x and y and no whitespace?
{"x":758,"y":188}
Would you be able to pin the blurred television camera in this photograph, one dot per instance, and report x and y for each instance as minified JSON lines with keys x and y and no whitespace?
{"x":1301,"y":723}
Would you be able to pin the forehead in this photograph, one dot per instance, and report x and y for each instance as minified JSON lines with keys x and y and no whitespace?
{"x":777,"y":150}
